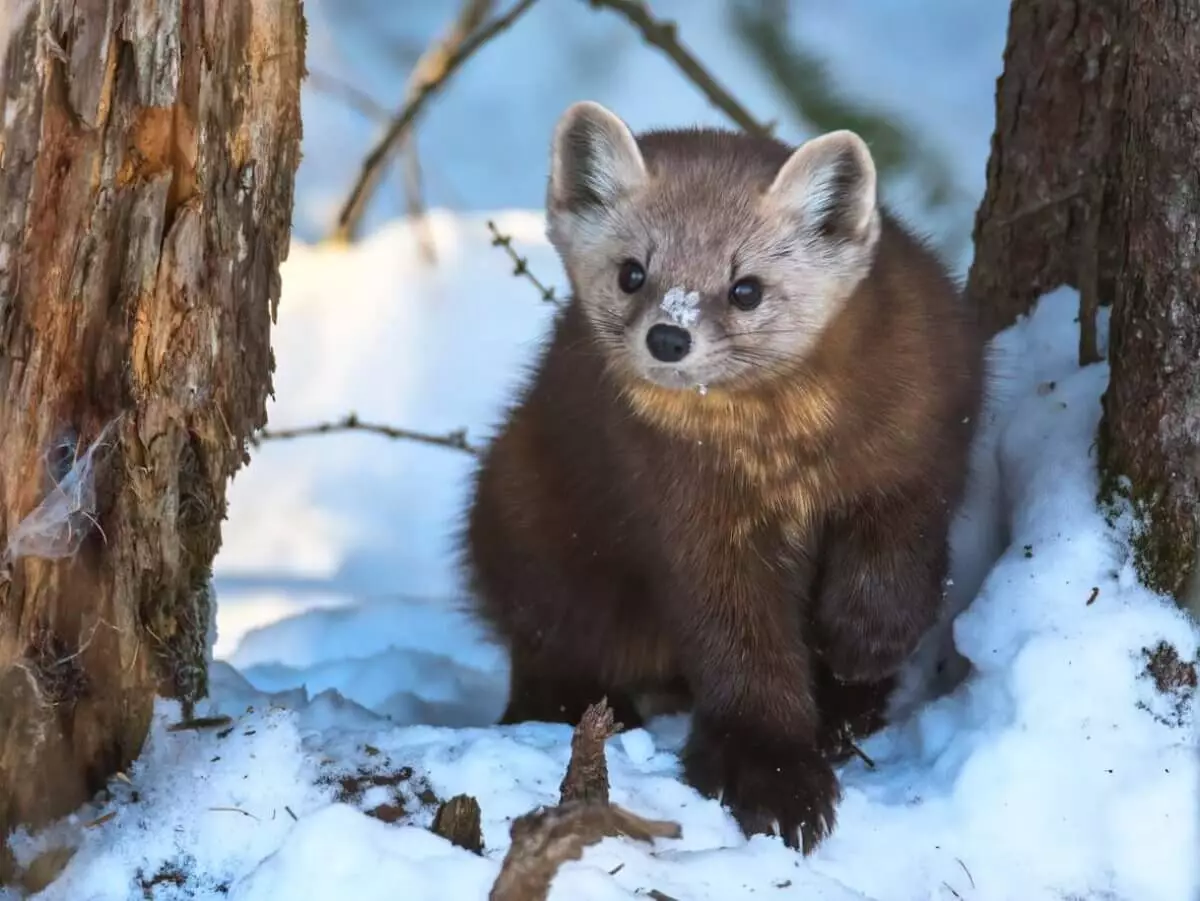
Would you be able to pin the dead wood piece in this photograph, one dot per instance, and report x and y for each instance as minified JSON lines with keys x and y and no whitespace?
{"x":458,"y":821}
{"x":543,"y":840}
{"x":586,"y":778}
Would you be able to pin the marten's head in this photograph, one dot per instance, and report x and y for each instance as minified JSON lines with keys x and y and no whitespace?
{"x":706,"y":258}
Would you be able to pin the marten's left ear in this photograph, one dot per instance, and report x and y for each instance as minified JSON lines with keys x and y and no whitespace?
{"x":829,"y":185}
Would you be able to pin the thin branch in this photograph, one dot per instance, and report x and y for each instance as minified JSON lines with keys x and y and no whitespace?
{"x":364,"y":104}
{"x":414,"y":202}
{"x":456,"y":440}
{"x":1070,"y":193}
{"x":354,"y":97}
{"x":520,"y":263}
{"x":662,"y":34}
{"x":432,"y":72}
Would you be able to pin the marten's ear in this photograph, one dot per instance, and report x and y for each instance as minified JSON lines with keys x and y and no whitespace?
{"x":829,"y":185}
{"x":595,"y":159}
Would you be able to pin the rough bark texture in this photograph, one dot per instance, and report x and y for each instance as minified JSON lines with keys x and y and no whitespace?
{"x":146,"y":175}
{"x":1151,"y":429}
{"x":1093,"y":182}
{"x":1033,"y":230}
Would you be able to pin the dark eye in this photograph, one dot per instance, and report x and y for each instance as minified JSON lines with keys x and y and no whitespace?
{"x":746,"y":293}
{"x":631,"y":277}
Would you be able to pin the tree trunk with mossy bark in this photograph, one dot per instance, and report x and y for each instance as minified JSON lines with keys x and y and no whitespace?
{"x":1150,"y":436}
{"x":1092,"y":183}
{"x":147,"y":164}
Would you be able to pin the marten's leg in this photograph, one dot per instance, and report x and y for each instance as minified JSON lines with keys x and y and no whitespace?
{"x":881,"y":584}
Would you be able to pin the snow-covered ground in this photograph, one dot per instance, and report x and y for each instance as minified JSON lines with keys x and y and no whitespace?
{"x":1056,"y":771}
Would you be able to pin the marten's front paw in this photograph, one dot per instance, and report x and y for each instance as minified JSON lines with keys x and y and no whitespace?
{"x":772,"y":788}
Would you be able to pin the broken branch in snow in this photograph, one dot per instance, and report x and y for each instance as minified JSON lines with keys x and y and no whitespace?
{"x":545,"y":839}
{"x":456,"y":440}
{"x":663,"y":35}
{"x":430,"y":75}
{"x":520,"y":263}
{"x":587,"y":772}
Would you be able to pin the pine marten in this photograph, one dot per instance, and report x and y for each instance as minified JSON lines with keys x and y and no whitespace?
{"x":733,"y":472}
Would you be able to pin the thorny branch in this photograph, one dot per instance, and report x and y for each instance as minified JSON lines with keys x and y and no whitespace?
{"x":520,"y":263}
{"x":430,"y":75}
{"x":456,"y":440}
{"x":663,"y":35}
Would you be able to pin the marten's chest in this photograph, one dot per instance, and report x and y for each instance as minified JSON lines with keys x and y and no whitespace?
{"x":750,"y":495}
{"x":747,"y":467}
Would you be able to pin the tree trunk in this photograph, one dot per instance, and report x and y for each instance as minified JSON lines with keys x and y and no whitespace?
{"x":1151,"y":429}
{"x":1033,"y":230}
{"x":1094,"y":182}
{"x":147,"y":163}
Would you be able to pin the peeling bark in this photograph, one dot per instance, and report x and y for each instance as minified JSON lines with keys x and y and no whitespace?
{"x":147,"y":160}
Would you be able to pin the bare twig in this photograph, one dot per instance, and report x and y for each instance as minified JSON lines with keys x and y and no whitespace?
{"x":861,"y":754}
{"x":520,"y":263}
{"x":366,"y":105}
{"x":415,"y":203}
{"x":432,"y":72}
{"x":355,"y":98}
{"x":1089,"y":279}
{"x":1066,"y":195}
{"x":456,"y":440}
{"x":965,"y":870}
{"x":662,"y":34}
{"x":199,"y":723}
{"x":244,"y":813}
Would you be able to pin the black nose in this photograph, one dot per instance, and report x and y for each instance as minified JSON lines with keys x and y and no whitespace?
{"x":668,"y":343}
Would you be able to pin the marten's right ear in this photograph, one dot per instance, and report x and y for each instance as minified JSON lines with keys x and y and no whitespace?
{"x":595,"y":160}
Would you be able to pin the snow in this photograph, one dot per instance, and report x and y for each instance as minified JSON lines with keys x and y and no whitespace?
{"x":1056,"y":770}
{"x":345,"y":657}
{"x":682,"y":307}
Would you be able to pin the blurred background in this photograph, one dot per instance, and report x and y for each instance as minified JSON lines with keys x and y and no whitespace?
{"x":915,"y":80}
{"x":338,"y":569}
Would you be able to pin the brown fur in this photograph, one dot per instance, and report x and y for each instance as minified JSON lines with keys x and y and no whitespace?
{"x":774,"y":548}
